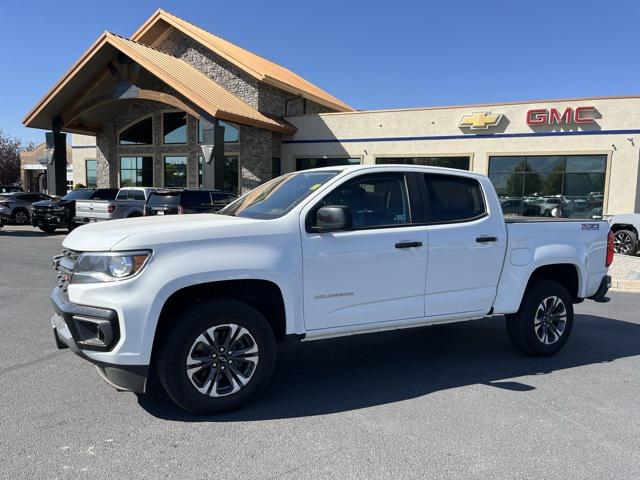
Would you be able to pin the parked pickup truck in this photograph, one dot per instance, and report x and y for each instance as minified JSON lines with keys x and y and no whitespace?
{"x":204,"y":299}
{"x":49,"y":215}
{"x":129,"y":202}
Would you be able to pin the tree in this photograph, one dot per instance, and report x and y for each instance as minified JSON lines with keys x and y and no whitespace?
{"x":10,"y":148}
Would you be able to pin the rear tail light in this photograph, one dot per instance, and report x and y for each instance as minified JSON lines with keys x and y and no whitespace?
{"x":180,"y":209}
{"x":610,"y":249}
{"x":111,"y":208}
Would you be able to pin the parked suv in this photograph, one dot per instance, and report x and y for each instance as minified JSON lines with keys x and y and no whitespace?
{"x":51,"y":214}
{"x":14,"y":207}
{"x":171,"y":202}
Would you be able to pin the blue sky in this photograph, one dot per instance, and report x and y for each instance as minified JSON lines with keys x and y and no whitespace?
{"x":370,"y":54}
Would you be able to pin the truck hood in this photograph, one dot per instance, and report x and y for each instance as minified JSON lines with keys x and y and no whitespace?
{"x":145,"y":232}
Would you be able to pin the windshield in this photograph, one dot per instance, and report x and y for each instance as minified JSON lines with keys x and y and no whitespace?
{"x":81,"y":194}
{"x":279,"y":196}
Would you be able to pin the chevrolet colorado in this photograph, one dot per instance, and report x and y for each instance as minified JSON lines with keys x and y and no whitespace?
{"x":204,"y":299}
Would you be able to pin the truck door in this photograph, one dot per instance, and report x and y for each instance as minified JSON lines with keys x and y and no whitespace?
{"x":467,"y":242}
{"x":374,"y":272}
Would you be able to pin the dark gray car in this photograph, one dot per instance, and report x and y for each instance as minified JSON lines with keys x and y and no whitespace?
{"x":15,"y":206}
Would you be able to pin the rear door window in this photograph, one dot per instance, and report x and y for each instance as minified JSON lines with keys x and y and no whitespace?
{"x":454,"y":198}
{"x":138,"y":195}
{"x":106,"y":194}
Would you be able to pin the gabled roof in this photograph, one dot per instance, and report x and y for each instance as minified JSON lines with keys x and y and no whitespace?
{"x":179,"y":75}
{"x":255,"y":65}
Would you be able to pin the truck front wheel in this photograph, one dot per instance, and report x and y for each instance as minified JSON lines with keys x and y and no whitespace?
{"x":216,"y":356}
{"x":543,"y":323}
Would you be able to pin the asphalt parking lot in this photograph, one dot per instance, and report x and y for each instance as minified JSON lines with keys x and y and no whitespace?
{"x":452,"y":401}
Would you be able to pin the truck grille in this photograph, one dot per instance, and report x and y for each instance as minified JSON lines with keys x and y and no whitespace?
{"x":64,"y":265}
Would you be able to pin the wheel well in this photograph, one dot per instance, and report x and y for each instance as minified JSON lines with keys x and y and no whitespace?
{"x":263,"y":295}
{"x":623,"y":226}
{"x":565,"y":274}
{"x":20,"y":209}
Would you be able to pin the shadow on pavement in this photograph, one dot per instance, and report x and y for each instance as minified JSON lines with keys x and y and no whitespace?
{"x":356,"y":372}
{"x":4,"y":232}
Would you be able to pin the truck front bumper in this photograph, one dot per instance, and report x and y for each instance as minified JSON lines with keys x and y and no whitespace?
{"x":81,"y":328}
{"x":601,"y":295}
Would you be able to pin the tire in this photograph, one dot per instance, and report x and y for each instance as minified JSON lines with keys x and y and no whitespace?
{"x":205,"y":390}
{"x":625,"y":242}
{"x":72,"y":226}
{"x":528,"y":326}
{"x":20,"y":217}
{"x":47,"y":229}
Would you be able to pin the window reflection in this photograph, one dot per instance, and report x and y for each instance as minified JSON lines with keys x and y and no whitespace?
{"x":543,"y":185}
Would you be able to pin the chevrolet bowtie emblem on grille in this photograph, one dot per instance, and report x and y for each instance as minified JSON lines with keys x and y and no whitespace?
{"x":480,"y":120}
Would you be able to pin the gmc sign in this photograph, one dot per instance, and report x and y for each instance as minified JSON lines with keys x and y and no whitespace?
{"x":553,"y":116}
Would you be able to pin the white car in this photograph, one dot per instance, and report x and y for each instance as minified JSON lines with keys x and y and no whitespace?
{"x":204,"y":299}
{"x":625,"y":228}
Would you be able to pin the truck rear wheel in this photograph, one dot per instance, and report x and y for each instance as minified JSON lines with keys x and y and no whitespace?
{"x":216,"y":356}
{"x":543,"y":323}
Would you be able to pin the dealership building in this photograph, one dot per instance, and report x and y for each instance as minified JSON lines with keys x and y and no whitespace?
{"x":141,"y":109}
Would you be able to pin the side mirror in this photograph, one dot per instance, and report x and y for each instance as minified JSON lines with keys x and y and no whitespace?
{"x":333,"y":218}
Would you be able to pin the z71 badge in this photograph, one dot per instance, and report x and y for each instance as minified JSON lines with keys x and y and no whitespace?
{"x":590,"y":226}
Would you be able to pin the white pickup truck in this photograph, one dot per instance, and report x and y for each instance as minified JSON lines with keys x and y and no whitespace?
{"x":204,"y":299}
{"x":129,"y":202}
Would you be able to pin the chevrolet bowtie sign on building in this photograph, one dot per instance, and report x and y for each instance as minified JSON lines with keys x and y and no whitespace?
{"x":480,"y":120}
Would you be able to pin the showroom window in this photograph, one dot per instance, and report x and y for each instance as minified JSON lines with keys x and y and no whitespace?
{"x":307,"y":163}
{"x":136,"y":171}
{"x":91,"y":169}
{"x":140,"y":133}
{"x":175,"y":171}
{"x":461,"y":163}
{"x":230,"y":173}
{"x":550,"y":185}
{"x":174,"y":127}
{"x":231,"y":133}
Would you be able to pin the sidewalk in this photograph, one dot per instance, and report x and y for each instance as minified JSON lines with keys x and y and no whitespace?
{"x":625,"y":273}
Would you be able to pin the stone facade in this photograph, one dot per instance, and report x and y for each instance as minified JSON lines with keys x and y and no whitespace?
{"x":257,"y":147}
{"x":109,"y":151}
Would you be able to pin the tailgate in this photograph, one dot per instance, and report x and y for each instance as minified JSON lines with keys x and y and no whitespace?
{"x":94,"y":209}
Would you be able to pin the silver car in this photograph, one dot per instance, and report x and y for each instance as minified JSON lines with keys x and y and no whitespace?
{"x":15,"y":206}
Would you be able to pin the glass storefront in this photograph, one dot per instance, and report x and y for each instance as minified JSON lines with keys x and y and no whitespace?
{"x":175,"y":171}
{"x":230,"y":173}
{"x":569,"y":186}
{"x":307,"y":163}
{"x":461,"y":163}
{"x":91,"y":171}
{"x":136,"y":171}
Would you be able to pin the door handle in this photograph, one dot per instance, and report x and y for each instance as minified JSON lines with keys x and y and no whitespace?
{"x":408,"y":244}
{"x":486,"y":239}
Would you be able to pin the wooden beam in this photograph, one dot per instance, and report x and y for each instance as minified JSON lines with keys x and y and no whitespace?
{"x":71,"y":115}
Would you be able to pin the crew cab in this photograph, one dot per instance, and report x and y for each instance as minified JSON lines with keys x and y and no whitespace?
{"x":49,"y":215}
{"x":204,"y":299}
{"x":129,"y":202}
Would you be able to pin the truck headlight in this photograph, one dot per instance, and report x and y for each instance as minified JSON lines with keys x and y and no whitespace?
{"x":95,"y":267}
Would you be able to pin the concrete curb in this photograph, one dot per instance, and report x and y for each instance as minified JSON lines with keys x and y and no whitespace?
{"x":625,"y":285}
